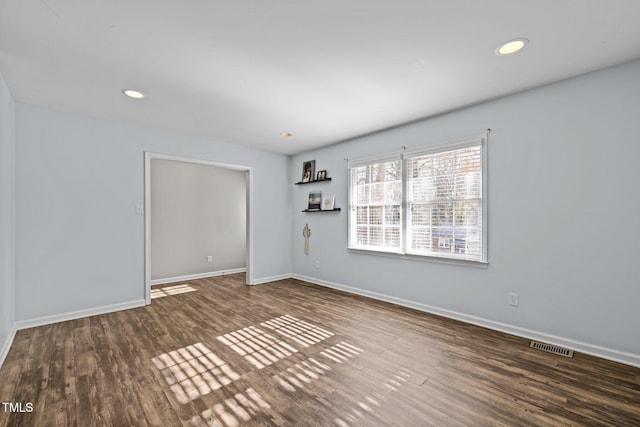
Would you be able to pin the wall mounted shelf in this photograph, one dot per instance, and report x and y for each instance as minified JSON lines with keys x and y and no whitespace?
{"x":326,"y":210}
{"x":312,"y":182}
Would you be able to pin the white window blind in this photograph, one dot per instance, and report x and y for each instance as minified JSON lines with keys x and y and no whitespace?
{"x":426,"y":202}
{"x":444,"y":202}
{"x":376,"y":203}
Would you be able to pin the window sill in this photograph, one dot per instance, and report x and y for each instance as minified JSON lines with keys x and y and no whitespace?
{"x":422,"y":258}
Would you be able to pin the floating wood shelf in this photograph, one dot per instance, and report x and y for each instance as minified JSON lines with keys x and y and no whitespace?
{"x":312,"y":182}
{"x":319,"y":210}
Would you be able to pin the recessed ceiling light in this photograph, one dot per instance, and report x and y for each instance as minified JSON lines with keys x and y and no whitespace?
{"x":287,"y":134}
{"x":131,"y":93}
{"x":511,"y":47}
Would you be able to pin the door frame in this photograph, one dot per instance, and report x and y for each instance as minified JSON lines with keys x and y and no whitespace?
{"x":148,"y":156}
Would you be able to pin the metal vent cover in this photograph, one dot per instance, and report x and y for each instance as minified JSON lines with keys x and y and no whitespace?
{"x":549,"y":348}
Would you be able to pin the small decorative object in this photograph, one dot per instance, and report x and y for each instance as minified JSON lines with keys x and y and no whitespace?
{"x":308,"y":169}
{"x":306,"y":233}
{"x":322,"y":175}
{"x":314,"y":200}
{"x":328,"y":202}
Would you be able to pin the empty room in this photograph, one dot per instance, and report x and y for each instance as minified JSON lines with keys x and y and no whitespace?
{"x":365,"y":213}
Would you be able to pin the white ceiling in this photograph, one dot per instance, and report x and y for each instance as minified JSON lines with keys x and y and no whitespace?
{"x":243,"y":71}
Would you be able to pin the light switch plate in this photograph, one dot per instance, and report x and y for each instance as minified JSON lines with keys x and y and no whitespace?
{"x":514,"y":299}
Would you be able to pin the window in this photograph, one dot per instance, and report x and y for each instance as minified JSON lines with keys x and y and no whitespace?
{"x":426,"y":202}
{"x":376,"y":205}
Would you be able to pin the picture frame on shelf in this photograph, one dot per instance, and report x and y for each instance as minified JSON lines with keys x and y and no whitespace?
{"x":322,"y":175}
{"x":315,"y":199}
{"x":328,"y":202}
{"x":308,"y":170}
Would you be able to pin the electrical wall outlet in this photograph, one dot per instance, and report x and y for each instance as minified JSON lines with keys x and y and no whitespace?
{"x":210,"y":258}
{"x":317,"y":265}
{"x":514,"y":299}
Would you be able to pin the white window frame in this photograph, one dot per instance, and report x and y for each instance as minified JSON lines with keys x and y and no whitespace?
{"x":366,"y":162}
{"x":405,"y":156}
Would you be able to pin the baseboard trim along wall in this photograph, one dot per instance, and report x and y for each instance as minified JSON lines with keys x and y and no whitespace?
{"x":581,"y":347}
{"x":63,"y":317}
{"x":264,"y":280}
{"x":155,"y":282}
{"x":6,"y":345}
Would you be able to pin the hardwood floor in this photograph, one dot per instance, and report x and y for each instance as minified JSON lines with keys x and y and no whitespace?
{"x":214,"y":352}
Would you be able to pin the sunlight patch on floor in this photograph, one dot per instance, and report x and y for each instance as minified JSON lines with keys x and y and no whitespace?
{"x":170,"y":290}
{"x":306,"y":371}
{"x":194,"y":371}
{"x":256,"y":346}
{"x":234,"y":411}
{"x":359,"y":413}
{"x":294,"y":378}
{"x":341,"y":352}
{"x":303,"y":333}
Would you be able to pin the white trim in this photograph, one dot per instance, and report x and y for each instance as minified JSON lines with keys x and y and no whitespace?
{"x":155,"y":282}
{"x":578,"y":346}
{"x":6,"y":346}
{"x":148,"y":156}
{"x":263,"y":280}
{"x":147,"y":227}
{"x":422,"y":258}
{"x":63,"y":317}
{"x":404,"y":205}
{"x":249,"y":225}
{"x":484,"y":147}
{"x":205,"y":162}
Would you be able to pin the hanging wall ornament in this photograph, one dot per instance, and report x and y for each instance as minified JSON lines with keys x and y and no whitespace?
{"x":306,"y":233}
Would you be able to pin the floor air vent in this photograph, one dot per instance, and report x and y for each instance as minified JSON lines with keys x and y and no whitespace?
{"x":551,"y":348}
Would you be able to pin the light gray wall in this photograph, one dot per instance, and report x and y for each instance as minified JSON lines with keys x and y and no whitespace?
{"x":563,"y":203}
{"x":563,"y":214}
{"x":196,"y":211}
{"x":79,"y":241}
{"x":7,"y":205}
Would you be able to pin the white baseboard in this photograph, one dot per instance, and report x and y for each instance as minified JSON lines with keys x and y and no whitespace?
{"x":6,"y":345}
{"x":581,"y":347}
{"x":155,"y":282}
{"x":263,"y":280}
{"x":63,"y":317}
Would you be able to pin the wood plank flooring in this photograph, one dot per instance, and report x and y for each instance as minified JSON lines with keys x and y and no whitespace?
{"x":214,"y":352}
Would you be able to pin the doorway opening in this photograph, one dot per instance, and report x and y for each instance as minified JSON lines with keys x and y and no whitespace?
{"x":204,"y":203}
